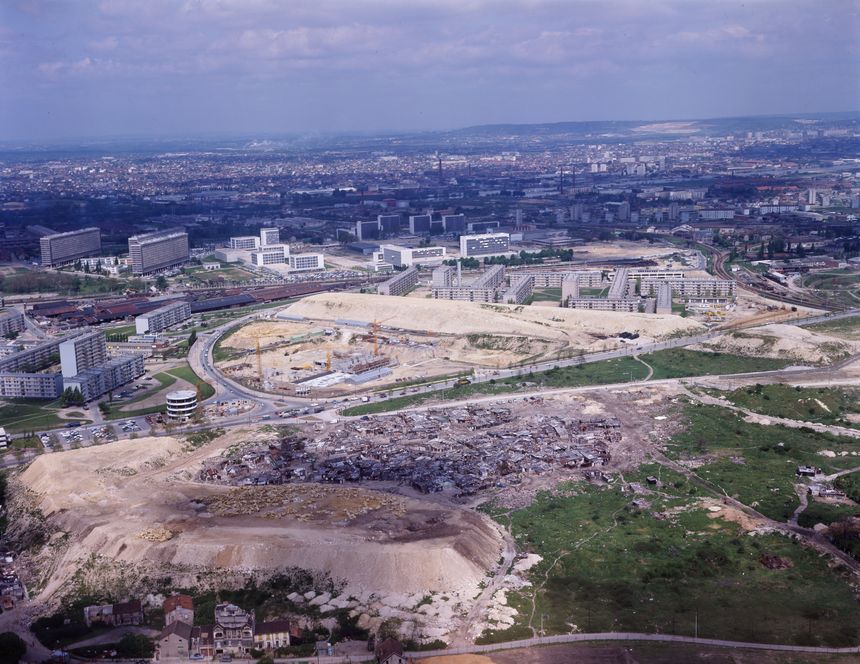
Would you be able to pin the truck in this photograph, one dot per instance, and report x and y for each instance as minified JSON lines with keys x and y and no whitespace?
{"x":463,"y":381}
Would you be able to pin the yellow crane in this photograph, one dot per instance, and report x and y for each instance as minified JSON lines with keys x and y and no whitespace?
{"x":328,"y":360}
{"x":374,"y":331}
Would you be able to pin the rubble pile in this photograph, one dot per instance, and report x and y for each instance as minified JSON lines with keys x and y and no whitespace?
{"x":461,"y":451}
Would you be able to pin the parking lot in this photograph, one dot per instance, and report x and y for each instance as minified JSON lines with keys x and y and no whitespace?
{"x":73,"y":436}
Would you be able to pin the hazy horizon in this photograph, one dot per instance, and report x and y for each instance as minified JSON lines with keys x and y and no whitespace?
{"x":167,"y":68}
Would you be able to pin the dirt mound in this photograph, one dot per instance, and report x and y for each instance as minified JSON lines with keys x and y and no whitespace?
{"x":784,"y":341}
{"x":124,"y":502}
{"x":444,"y":317}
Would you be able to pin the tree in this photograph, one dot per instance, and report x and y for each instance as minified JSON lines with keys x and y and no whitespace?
{"x":192,"y":338}
{"x":12,"y":648}
{"x":161,"y":282}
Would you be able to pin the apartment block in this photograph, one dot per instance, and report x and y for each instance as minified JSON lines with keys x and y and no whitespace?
{"x":152,"y":252}
{"x":454,"y":223}
{"x":490,"y":278}
{"x":96,"y":381}
{"x":620,"y":285}
{"x":31,"y":385}
{"x":569,"y":287}
{"x":11,"y":321}
{"x":664,"y":298}
{"x":419,"y":224}
{"x":400,"y":284}
{"x":162,"y":318}
{"x":306,"y":262}
{"x":692,"y":287}
{"x":83,"y":352}
{"x":367,"y":230}
{"x":65,"y":248}
{"x":603,"y":304}
{"x":35,"y":358}
{"x":486,"y":244}
{"x":465,"y":294}
{"x":519,"y":292}
{"x":443,"y":276}
{"x":389,"y":224}
{"x":549,"y":279}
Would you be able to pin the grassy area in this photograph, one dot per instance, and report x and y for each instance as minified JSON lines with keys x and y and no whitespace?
{"x":611,"y":566}
{"x":67,"y":284}
{"x":825,"y":405}
{"x":114,"y":410}
{"x":18,"y":416}
{"x":825,"y":513}
{"x":187,"y":374}
{"x":546,"y":295}
{"x":845,"y":328}
{"x":680,"y":362}
{"x":755,"y":464}
{"x":850,"y":484}
{"x":675,"y":363}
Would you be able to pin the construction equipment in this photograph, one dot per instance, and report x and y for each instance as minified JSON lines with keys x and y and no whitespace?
{"x":374,"y":332}
{"x":328,"y":360}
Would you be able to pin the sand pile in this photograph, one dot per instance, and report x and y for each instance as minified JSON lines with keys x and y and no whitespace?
{"x":784,"y":342}
{"x":124,"y":501}
{"x":445,"y":317}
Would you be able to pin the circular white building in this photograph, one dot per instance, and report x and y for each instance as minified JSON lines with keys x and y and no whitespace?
{"x":181,"y":404}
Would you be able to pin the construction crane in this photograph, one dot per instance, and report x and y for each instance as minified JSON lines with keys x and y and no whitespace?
{"x":328,"y":360}
{"x":259,"y":362}
{"x":374,"y":331}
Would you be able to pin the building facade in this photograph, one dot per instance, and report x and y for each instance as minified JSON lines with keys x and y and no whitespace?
{"x":486,"y":244}
{"x":65,"y":248}
{"x":272,"y":255}
{"x":247,"y":242}
{"x":152,"y":252}
{"x":31,"y":385}
{"x":11,"y":322}
{"x":270,"y":237}
{"x":181,"y":405}
{"x":400,"y":284}
{"x":83,"y":352}
{"x":409,"y":256}
{"x":162,"y":318}
{"x":306,"y":262}
{"x":96,"y":381}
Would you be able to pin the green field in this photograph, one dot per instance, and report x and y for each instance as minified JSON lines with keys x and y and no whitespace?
{"x":32,"y":281}
{"x":675,"y":363}
{"x":665,"y":566}
{"x":754,"y":463}
{"x":112,"y":411}
{"x":546,"y":295}
{"x":845,"y":328}
{"x":187,"y":374}
{"x":21,"y":415}
{"x":810,"y":404}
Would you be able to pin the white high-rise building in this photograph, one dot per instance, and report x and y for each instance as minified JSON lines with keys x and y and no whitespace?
{"x":270,"y":237}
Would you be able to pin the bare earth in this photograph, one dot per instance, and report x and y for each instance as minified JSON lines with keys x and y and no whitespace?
{"x":372,"y":541}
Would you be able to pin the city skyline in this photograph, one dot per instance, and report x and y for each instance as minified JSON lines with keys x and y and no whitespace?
{"x":212,"y":67}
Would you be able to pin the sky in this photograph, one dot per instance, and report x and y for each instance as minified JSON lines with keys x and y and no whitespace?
{"x":101,"y":68}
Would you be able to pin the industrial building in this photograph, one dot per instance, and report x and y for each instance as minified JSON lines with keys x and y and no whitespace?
{"x":83,"y":352}
{"x":278,"y":254}
{"x":246,"y":242}
{"x":65,"y":248}
{"x":306,"y":262}
{"x":487,"y":244}
{"x":408,"y":256}
{"x":152,"y":252}
{"x":400,"y":284}
{"x":11,"y":322}
{"x":181,"y":405}
{"x":162,"y":318}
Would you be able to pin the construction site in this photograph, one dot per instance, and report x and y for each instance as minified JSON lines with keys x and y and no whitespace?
{"x":340,"y":343}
